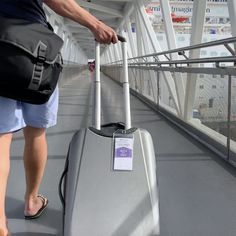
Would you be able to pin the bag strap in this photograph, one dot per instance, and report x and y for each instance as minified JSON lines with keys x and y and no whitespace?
{"x":37,"y":74}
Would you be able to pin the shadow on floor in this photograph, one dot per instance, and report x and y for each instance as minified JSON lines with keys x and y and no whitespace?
{"x":50,"y":219}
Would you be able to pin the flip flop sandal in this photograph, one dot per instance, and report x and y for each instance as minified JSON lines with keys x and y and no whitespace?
{"x":40,"y":211}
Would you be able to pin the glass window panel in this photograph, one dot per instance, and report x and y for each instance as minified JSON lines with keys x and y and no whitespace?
{"x":211,"y":101}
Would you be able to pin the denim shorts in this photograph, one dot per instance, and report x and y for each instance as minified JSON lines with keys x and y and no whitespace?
{"x":15,"y":115}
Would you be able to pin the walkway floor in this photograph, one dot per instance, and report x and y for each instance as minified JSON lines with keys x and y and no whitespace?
{"x":197,"y":189}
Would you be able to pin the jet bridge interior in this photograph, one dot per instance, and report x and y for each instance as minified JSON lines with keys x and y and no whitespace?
{"x":195,"y":146}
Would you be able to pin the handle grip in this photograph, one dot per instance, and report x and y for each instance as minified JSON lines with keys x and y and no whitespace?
{"x":121,"y":38}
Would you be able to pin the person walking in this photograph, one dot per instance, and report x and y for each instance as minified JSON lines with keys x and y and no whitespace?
{"x":35,"y":119}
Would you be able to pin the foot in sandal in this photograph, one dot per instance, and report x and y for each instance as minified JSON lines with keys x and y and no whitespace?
{"x":35,"y":209}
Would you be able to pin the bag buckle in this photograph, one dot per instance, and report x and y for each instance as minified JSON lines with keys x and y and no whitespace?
{"x":42,"y":52}
{"x":41,"y":59}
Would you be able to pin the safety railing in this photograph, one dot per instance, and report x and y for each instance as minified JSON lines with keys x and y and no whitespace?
{"x":198,"y":93}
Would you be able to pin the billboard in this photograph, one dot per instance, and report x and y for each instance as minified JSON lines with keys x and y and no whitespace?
{"x":186,"y":9}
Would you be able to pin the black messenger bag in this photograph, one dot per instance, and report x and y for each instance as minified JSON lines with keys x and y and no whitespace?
{"x":30,"y":60}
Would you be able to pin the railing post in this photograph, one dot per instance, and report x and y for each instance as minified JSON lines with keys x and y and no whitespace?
{"x":229,"y":116}
{"x":158,"y":88}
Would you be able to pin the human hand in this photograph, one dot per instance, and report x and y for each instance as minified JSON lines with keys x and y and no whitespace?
{"x":104,"y":34}
{"x":70,"y":9}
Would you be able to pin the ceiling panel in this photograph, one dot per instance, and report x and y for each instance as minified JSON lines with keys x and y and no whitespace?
{"x":111,"y":12}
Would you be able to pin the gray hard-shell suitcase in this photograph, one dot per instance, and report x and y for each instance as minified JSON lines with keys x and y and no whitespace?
{"x":101,"y":195}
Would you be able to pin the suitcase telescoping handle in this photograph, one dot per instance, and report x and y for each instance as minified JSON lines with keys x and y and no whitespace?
{"x":125,"y":82}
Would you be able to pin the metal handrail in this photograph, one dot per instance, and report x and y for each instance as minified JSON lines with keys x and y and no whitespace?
{"x":162,"y":62}
{"x":191,"y":61}
{"x":184,"y":65}
{"x":189,"y":48}
{"x":145,"y":59}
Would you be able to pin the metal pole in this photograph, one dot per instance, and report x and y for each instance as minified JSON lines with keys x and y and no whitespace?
{"x":229,"y":117}
{"x":126,"y":87}
{"x":97,"y":89}
{"x":158,"y":88}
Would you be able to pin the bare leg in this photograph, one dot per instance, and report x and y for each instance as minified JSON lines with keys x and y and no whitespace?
{"x":5,"y":142}
{"x":35,"y":158}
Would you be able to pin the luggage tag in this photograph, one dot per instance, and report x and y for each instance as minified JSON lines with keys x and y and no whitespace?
{"x":123,"y":151}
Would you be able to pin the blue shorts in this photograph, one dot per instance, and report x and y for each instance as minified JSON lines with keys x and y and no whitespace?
{"x":15,"y":115}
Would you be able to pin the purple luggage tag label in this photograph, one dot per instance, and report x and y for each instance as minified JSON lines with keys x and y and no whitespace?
{"x":123,"y":153}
